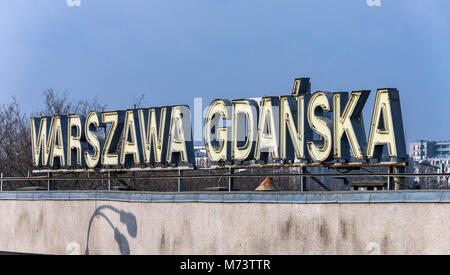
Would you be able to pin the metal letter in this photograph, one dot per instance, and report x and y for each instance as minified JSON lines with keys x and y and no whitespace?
{"x":59,"y":136}
{"x":92,"y":123}
{"x":268,"y":129}
{"x":348,"y":120}
{"x":245,"y":116}
{"x":41,"y":140}
{"x":180,"y":136}
{"x":217,"y":144}
{"x":116,"y":119}
{"x":152,"y":135}
{"x":301,"y":86}
{"x":74,"y":137}
{"x":292,"y":113}
{"x":320,"y":150}
{"x":384,"y":130}
{"x":131,"y":139}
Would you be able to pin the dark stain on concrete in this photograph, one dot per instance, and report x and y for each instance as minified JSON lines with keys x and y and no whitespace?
{"x":40,"y":220}
{"x":213,"y":245}
{"x":347,"y":240}
{"x":263,"y":245}
{"x":162,"y":242}
{"x":286,"y":228}
{"x":24,"y":219}
{"x":358,"y":247}
{"x":187,"y":234}
{"x":183,"y":235}
{"x":385,"y":245}
{"x":175,"y":244}
{"x":324,"y":232}
{"x":343,"y":229}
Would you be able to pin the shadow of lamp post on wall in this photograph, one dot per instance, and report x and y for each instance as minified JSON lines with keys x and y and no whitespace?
{"x":126,"y":218}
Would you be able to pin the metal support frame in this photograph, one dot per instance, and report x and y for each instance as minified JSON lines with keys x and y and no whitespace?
{"x":241,"y":166}
{"x":398,"y":182}
{"x":29,"y":176}
{"x":315,"y":179}
{"x":49,"y":175}
{"x":110,"y":184}
{"x":390,"y":184}
{"x":1,"y":182}
{"x":443,"y":172}
{"x":395,"y":175}
{"x":230,"y":180}
{"x":180,"y":180}
{"x":302,"y":179}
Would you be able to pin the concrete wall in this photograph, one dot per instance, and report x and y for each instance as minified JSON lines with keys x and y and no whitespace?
{"x":84,"y":223}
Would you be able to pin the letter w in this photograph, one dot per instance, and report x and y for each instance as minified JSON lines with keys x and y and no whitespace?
{"x":41,"y":141}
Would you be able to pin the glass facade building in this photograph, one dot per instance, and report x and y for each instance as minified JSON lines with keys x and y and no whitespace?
{"x":431,"y":152}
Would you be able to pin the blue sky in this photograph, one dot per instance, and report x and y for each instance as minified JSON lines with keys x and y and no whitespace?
{"x":173,"y":51}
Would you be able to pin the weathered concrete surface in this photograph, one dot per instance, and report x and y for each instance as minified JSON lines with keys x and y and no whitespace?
{"x":114,"y":227}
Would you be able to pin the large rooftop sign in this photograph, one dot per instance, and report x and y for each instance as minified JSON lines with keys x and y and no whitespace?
{"x":319,"y":127}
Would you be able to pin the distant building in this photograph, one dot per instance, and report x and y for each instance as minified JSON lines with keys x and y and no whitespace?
{"x":431,"y":152}
{"x":424,"y":149}
{"x":428,"y":157}
{"x":201,"y":157}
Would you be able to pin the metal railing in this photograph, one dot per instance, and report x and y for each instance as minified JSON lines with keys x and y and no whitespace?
{"x":394,"y":181}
